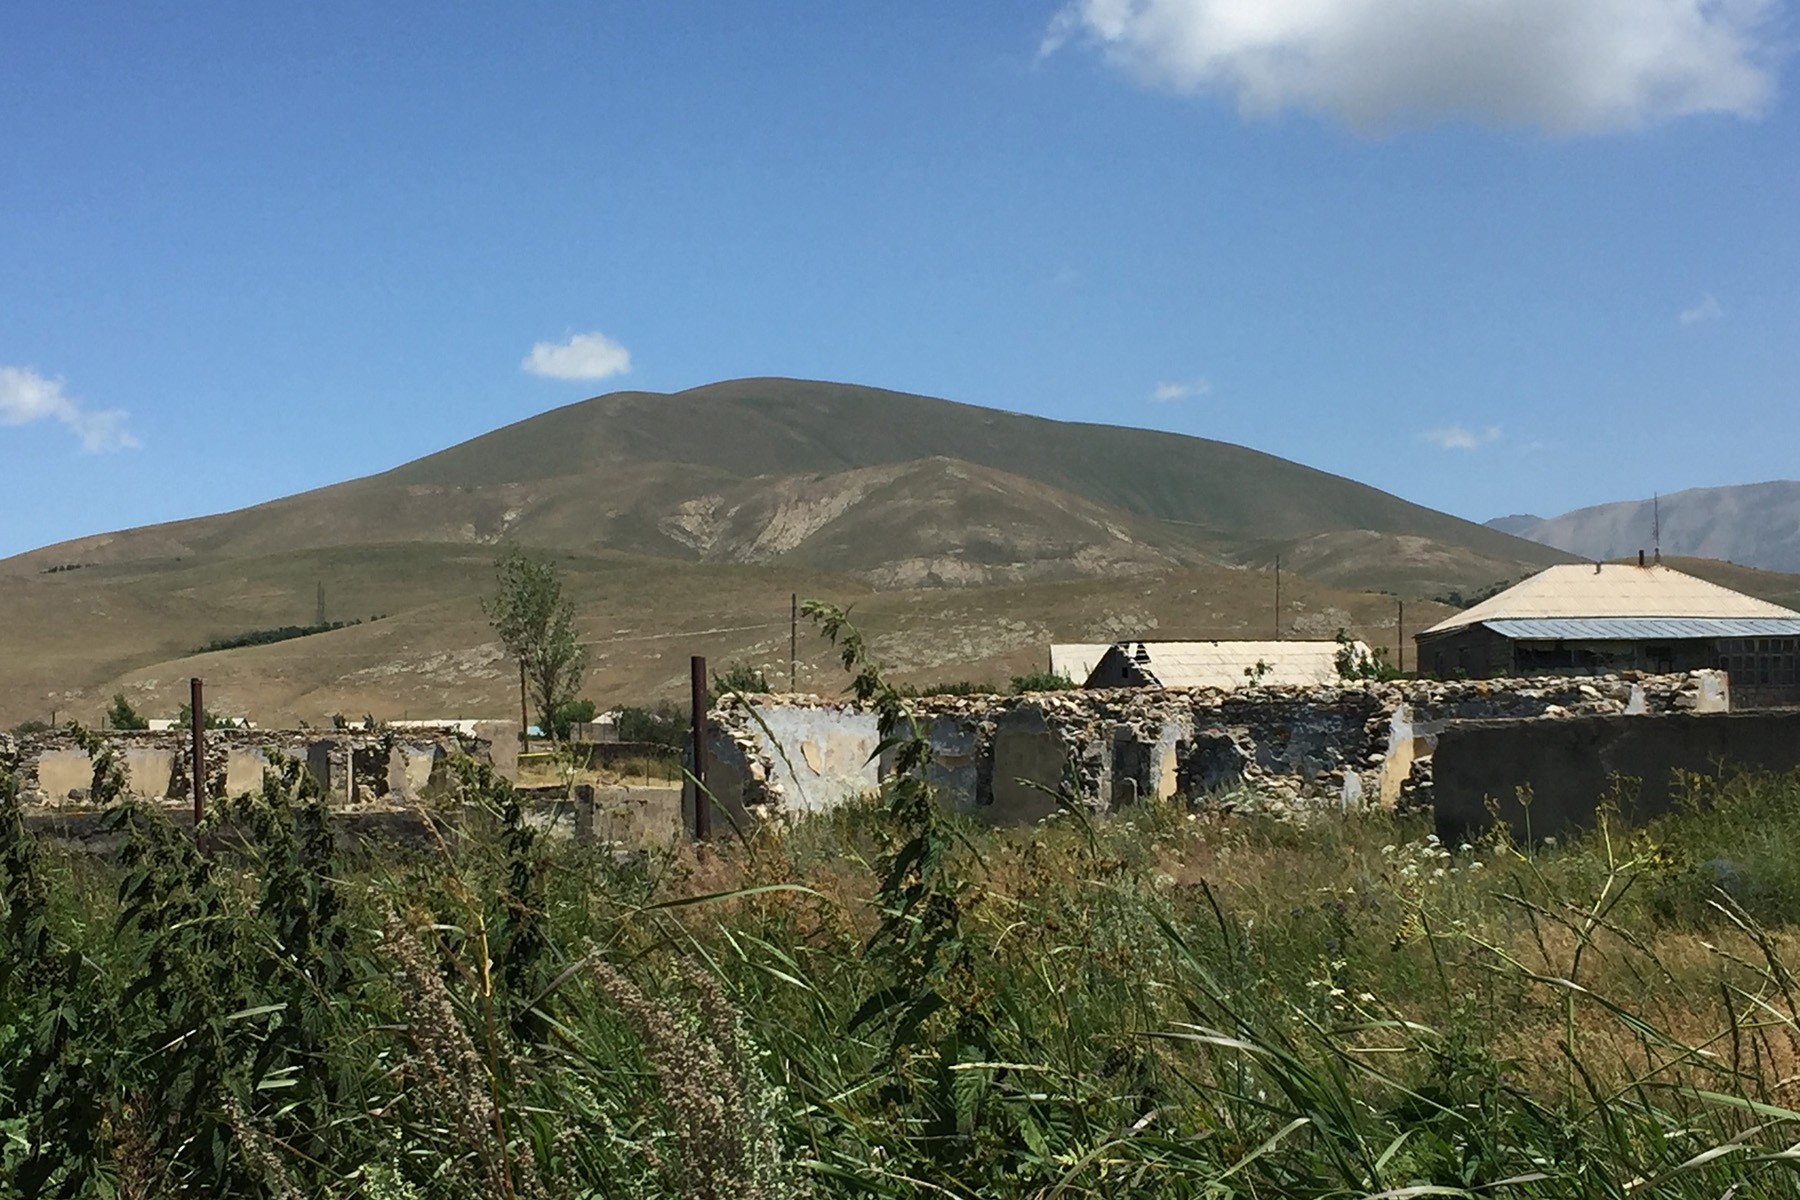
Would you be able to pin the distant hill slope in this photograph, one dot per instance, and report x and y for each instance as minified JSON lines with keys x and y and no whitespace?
{"x":900,"y":490}
{"x":1756,"y":525}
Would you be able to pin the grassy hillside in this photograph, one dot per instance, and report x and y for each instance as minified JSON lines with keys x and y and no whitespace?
{"x":87,"y":633}
{"x":969,"y":538}
{"x":833,"y":477}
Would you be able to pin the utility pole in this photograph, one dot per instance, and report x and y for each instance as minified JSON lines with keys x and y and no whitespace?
{"x":1278,"y":597}
{"x":702,"y":801}
{"x":524,"y":719}
{"x":197,"y":718}
{"x":794,"y":643}
{"x":319,"y":608}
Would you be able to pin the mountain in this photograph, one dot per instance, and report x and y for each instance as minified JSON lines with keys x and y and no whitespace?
{"x":1756,"y":524}
{"x":894,"y":488}
{"x":967,"y":538}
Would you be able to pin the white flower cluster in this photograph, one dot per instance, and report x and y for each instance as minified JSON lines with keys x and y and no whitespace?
{"x":1430,"y":859}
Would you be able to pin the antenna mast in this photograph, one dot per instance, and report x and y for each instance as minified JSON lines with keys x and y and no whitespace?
{"x":1656,"y":526}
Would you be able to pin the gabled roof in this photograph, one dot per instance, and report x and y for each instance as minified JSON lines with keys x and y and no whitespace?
{"x":1222,"y":664}
{"x":1076,"y":660}
{"x":1609,"y":590}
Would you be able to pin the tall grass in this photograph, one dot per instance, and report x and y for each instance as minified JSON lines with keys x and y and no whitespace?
{"x":888,"y":1000}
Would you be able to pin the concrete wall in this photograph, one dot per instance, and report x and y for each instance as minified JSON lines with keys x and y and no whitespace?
{"x":1546,"y":779}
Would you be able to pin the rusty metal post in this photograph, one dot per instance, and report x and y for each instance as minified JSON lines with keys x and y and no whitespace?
{"x":702,"y":801}
{"x":197,"y":715}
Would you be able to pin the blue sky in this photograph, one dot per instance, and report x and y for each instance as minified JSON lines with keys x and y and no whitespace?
{"x":1494,"y":255}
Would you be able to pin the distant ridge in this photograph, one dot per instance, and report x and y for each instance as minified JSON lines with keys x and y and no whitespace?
{"x":1754,"y":525}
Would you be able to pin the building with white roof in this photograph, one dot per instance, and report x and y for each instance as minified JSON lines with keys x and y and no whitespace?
{"x":1223,"y":664}
{"x":1604,"y":617}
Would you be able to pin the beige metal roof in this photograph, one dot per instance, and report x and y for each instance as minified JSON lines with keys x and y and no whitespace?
{"x":1222,"y":664}
{"x":1077,"y":660}
{"x":1612,"y":590}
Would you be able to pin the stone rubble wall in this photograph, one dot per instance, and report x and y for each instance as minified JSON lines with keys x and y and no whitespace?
{"x":355,"y":768}
{"x":1009,"y":758}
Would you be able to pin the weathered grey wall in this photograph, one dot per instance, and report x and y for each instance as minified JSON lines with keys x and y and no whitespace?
{"x":1010,"y":758}
{"x":1547,"y":778}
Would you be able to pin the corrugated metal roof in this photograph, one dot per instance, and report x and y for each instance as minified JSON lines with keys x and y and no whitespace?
{"x":1614,"y":590}
{"x":1222,"y":664}
{"x":1637,"y":629}
{"x":1077,"y":660}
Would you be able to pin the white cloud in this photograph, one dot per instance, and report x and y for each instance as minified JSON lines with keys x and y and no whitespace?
{"x":1708,"y":309}
{"x":26,"y":397}
{"x":1461,"y":437}
{"x":1565,"y":66}
{"x":1163,"y":393}
{"x":584,"y":356}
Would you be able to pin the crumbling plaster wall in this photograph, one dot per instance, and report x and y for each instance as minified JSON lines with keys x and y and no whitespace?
{"x":1010,"y":758}
{"x":352,"y":767}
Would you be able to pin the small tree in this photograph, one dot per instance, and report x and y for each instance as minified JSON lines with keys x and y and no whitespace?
{"x":662,"y":724}
{"x":184,"y":718}
{"x":569,"y":714}
{"x":536,"y":624}
{"x":122,"y":716}
{"x":1356,"y":662}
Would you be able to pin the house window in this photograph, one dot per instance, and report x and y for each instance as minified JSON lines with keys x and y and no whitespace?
{"x":1761,"y":662}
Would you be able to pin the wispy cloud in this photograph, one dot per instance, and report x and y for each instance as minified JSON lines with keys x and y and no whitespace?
{"x":27,"y":397}
{"x":1461,"y":437}
{"x":583,"y":356}
{"x":1164,"y":393}
{"x":1564,"y":66}
{"x":1707,"y":309}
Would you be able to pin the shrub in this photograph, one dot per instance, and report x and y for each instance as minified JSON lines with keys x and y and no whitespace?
{"x":664,"y":723}
{"x":739,"y":677}
{"x":122,"y":716}
{"x":570,"y":713}
{"x":1042,"y":681}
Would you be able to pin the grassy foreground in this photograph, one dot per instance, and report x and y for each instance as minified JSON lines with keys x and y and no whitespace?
{"x":885,"y":1001}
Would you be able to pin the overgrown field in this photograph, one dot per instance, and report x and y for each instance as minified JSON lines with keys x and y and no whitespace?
{"x":885,"y":1001}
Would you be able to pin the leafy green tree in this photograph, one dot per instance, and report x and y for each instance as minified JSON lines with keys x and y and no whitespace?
{"x":568,"y":715}
{"x":536,"y":624}
{"x":122,"y":716}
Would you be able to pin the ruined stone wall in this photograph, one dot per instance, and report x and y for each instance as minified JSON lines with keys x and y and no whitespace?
{"x":354,"y":768}
{"x":1010,"y":758}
